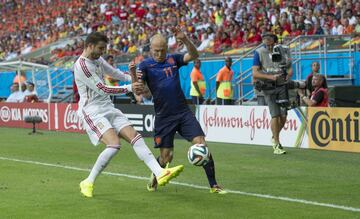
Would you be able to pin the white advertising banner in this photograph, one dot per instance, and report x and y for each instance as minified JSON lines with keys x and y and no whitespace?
{"x":250,"y":125}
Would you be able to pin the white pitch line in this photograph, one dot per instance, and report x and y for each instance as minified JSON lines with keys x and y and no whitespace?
{"x":302,"y":201}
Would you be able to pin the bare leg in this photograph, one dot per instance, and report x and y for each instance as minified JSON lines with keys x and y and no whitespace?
{"x":275,"y":129}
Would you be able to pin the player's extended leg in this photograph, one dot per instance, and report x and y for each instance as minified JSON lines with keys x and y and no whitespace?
{"x":209,"y":169}
{"x":163,"y":176}
{"x":111,"y":141}
{"x":166,"y":156}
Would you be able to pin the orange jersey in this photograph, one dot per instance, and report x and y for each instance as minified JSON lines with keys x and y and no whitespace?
{"x":225,"y":74}
{"x":196,"y":75}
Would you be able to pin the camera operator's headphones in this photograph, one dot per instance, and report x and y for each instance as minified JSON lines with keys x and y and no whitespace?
{"x":271,"y":35}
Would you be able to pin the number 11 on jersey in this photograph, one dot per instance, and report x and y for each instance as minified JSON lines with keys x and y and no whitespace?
{"x":168,"y":72}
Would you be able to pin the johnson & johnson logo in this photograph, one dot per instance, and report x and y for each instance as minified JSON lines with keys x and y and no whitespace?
{"x":253,"y":122}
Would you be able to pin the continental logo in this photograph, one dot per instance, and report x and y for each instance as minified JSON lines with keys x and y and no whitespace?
{"x":334,"y":129}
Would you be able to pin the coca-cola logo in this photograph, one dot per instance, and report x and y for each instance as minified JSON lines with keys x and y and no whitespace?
{"x":5,"y":114}
{"x":71,"y":119}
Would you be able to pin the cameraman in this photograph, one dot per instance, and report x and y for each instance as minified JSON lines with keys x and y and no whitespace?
{"x":271,"y":77}
{"x":320,"y":96}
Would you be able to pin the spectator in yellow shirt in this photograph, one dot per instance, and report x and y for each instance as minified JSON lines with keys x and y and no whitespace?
{"x":132,"y":48}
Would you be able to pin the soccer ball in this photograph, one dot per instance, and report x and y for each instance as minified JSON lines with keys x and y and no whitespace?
{"x":198,"y":155}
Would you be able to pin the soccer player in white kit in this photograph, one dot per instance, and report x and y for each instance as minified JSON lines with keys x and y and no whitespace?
{"x":102,"y":121}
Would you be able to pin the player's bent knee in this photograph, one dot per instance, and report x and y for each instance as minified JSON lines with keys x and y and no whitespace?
{"x":135,"y":139}
{"x":114,"y":146}
{"x":110,"y":138}
{"x":111,"y":141}
{"x":128,"y":133}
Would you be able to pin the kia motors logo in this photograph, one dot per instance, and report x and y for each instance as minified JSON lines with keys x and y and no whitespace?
{"x":5,"y":114}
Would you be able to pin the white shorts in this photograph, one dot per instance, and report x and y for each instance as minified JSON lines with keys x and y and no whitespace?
{"x":97,"y":122}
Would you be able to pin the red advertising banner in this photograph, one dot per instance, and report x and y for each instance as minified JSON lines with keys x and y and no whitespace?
{"x":14,"y":114}
{"x":64,"y":118}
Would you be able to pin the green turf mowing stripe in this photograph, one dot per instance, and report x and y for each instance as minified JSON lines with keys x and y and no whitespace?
{"x":302,"y":201}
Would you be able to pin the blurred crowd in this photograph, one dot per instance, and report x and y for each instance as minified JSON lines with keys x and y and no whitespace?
{"x":213,"y":25}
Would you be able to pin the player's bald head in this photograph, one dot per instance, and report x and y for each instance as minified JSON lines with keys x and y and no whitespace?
{"x":158,"y":40}
{"x":158,"y":47}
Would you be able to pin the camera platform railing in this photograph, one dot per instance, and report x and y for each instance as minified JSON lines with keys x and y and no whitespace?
{"x":34,"y":120}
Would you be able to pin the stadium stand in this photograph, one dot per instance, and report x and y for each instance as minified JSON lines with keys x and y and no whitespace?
{"x":218,"y":28}
{"x":215,"y":26}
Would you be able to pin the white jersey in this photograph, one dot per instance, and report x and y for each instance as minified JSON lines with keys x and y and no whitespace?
{"x":16,"y":97}
{"x":29,"y":93}
{"x":89,"y":78}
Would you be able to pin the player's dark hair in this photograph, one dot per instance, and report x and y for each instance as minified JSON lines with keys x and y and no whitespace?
{"x":94,"y":38}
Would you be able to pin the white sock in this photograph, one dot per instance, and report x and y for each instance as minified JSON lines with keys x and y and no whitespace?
{"x":102,"y":161}
{"x":144,"y":154}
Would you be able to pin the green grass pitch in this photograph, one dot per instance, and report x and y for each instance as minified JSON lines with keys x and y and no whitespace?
{"x":40,"y":175}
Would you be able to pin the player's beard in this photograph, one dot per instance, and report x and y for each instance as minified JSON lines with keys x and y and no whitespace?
{"x":95,"y":55}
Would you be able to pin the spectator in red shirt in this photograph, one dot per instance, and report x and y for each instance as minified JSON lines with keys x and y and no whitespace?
{"x":225,"y":40}
{"x":109,"y":13}
{"x":236,"y":39}
{"x":254,"y":36}
{"x":295,"y":31}
{"x":134,"y":6}
{"x":309,"y":30}
{"x":123,"y":14}
{"x":140,"y":12}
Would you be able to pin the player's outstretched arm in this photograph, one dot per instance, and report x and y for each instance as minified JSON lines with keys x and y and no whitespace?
{"x":84,"y":72}
{"x":192,"y":53}
{"x":114,"y":72}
